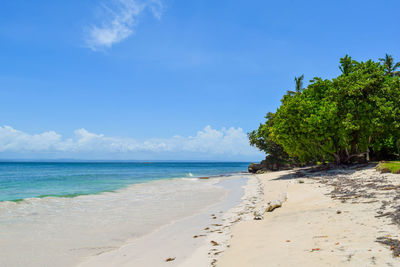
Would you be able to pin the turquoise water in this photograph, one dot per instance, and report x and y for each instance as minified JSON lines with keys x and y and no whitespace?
{"x":20,"y":180}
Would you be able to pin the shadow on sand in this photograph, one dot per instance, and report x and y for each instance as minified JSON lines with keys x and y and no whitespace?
{"x":325,"y":170}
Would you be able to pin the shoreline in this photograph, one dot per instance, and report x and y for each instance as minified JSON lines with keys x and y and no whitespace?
{"x":185,"y":242}
{"x":124,"y":187}
{"x":69,"y":231}
{"x":338,"y":217}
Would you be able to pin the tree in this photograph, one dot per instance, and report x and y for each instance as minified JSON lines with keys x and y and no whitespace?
{"x":304,"y":123}
{"x":367,"y":106}
{"x":390,"y":66}
{"x":261,"y":138}
{"x":340,"y":119}
{"x":356,"y":114}
{"x":347,"y":65}
{"x":299,"y":85}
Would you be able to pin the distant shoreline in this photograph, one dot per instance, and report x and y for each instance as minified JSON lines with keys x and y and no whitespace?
{"x":116,"y":161}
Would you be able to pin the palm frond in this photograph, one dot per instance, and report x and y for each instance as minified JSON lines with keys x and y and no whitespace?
{"x":299,"y":83}
{"x":290,"y":92}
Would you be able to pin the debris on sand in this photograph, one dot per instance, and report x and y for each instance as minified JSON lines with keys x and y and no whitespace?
{"x":394,"y":244}
{"x":214,"y":243}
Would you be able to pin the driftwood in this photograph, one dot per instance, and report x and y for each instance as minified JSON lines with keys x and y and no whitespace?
{"x":270,"y":206}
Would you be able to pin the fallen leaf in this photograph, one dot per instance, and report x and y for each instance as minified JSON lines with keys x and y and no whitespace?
{"x":214,"y":243}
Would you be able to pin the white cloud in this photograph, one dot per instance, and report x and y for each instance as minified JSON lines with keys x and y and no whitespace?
{"x":118,"y":22}
{"x":224,"y":142}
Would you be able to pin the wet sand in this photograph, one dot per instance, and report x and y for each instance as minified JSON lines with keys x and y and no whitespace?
{"x":69,"y":231}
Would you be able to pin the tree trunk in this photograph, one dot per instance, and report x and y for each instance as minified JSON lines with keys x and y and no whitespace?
{"x":337,"y":158}
{"x":354,"y":144}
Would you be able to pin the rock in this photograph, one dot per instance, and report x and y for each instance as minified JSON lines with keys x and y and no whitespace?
{"x":254,"y":167}
{"x":269,"y":164}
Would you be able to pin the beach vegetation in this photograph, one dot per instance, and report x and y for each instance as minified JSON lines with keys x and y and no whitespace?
{"x":354,"y":116}
{"x":389,"y":166}
{"x":263,"y":140}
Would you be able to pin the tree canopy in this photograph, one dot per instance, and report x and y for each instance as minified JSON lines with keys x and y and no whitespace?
{"x":356,"y":114}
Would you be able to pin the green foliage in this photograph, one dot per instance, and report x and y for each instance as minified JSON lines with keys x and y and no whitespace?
{"x":337,"y":120}
{"x":261,"y":138}
{"x":347,"y":65}
{"x":392,"y":166}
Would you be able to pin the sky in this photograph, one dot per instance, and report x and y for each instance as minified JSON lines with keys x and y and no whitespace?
{"x":167,"y":79}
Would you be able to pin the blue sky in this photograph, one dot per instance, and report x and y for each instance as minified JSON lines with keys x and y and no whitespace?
{"x":124,"y":78}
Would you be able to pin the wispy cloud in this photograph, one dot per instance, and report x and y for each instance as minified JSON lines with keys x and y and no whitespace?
{"x":223,"y":142}
{"x":118,"y":21}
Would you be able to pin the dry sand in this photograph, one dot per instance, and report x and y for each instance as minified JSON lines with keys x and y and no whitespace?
{"x":318,"y":227}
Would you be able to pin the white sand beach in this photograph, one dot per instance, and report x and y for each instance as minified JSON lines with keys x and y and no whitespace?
{"x":332,"y":218}
{"x":314,"y":227}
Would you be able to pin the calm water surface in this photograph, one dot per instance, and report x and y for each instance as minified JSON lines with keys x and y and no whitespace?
{"x":20,"y":180}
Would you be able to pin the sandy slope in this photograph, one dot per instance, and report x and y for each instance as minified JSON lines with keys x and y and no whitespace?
{"x":312,"y":229}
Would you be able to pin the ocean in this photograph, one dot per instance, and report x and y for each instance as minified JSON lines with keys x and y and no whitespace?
{"x":21,"y":180}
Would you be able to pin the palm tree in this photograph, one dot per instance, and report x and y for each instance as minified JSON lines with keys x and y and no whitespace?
{"x":390,"y":66}
{"x":299,"y":85}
